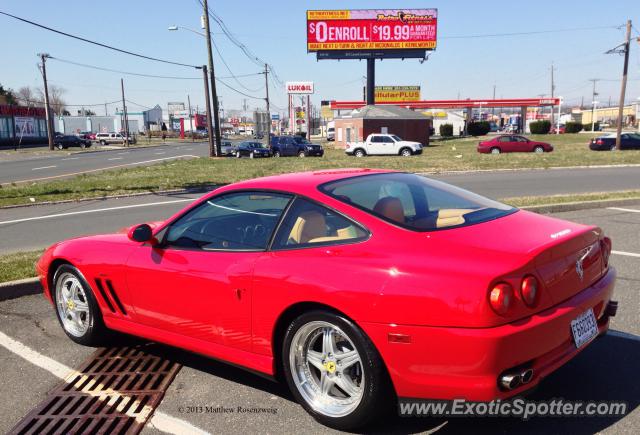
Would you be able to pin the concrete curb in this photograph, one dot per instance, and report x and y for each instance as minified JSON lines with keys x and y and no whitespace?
{"x":581,"y":205}
{"x":19,"y":288}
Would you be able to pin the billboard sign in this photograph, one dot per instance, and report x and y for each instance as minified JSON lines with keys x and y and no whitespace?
{"x":397,"y":93}
{"x":371,"y":29}
{"x":299,"y":87}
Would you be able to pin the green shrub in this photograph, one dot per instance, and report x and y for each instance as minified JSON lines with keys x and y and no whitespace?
{"x":540,"y":127}
{"x":587,"y":127}
{"x":573,"y":127}
{"x":478,"y":128}
{"x":446,"y":130}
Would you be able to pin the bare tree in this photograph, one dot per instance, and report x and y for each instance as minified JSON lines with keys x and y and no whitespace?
{"x":27,"y":97}
{"x":56,"y":99}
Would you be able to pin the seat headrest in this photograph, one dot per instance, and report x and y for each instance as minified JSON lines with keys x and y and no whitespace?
{"x":391,"y":208}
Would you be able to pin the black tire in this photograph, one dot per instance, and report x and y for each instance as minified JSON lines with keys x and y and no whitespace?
{"x":60,"y":146}
{"x":360,"y":153}
{"x":538,"y":149}
{"x":276,"y":154}
{"x":238,"y":155}
{"x":97,"y":333}
{"x":378,"y":396}
{"x":406,"y":152}
{"x":252,"y":155}
{"x":613,"y":147}
{"x":103,"y":142}
{"x":302,"y":154}
{"x":83,"y":145}
{"x":495,"y":150}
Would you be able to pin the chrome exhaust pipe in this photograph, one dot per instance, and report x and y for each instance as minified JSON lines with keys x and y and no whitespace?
{"x":510,"y":381}
{"x":526,"y":376}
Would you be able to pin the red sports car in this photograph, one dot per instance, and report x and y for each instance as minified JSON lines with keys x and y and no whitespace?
{"x":509,"y":143}
{"x":354,"y":286}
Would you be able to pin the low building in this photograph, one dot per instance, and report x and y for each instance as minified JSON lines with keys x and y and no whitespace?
{"x":22,"y":125}
{"x":405,"y":123}
{"x":609,"y":115}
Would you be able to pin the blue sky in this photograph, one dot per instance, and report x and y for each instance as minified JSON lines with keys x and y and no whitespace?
{"x":519,"y":66}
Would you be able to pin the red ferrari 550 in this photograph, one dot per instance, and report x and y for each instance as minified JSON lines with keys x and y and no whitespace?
{"x":355,"y":286}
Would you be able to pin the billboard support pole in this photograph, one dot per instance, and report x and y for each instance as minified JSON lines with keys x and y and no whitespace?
{"x":371,"y":81}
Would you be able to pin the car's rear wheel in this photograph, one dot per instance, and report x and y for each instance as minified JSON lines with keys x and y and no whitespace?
{"x":276,"y":154}
{"x":334,"y":371}
{"x":495,"y":150}
{"x":251,"y":155}
{"x":406,"y":152}
{"x":103,"y":142}
{"x":359,"y":153}
{"x":538,"y":149}
{"x":613,"y":147}
{"x":76,"y":307}
{"x":238,"y":154}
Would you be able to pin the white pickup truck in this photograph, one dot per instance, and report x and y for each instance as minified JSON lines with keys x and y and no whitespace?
{"x":378,"y":144}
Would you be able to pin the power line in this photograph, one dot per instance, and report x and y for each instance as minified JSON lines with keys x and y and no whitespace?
{"x":84,"y":65}
{"x":231,"y":72}
{"x":535,"y":32}
{"x":236,"y":90}
{"x":131,"y":53}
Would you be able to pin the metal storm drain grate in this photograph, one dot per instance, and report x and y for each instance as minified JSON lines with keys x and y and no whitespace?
{"x":114,"y":392}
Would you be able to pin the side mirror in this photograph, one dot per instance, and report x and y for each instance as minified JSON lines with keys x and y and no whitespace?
{"x":140,"y":233}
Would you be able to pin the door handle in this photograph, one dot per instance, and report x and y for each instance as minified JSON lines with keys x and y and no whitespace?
{"x":238,"y":293}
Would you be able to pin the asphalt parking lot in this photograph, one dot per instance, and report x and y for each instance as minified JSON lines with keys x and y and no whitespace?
{"x":34,"y":353}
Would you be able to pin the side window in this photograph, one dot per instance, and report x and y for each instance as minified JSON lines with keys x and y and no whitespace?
{"x":504,"y":139}
{"x":375,"y":139}
{"x":387,"y":139}
{"x":307,"y":224}
{"x":236,"y":221}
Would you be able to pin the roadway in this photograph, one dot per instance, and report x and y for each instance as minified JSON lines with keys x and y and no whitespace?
{"x":35,"y":353}
{"x":67,"y":163}
{"x":36,"y":227}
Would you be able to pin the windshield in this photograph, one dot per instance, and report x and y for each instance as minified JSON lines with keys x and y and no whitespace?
{"x":299,"y":139}
{"x":415,"y":202}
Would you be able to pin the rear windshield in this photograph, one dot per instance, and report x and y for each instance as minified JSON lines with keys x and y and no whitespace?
{"x":415,"y":202}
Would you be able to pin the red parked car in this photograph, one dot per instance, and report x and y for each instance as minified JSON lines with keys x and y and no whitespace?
{"x":509,"y":143}
{"x":355,"y":286}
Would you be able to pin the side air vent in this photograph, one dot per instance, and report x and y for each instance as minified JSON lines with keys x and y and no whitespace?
{"x":114,"y":295}
{"x":104,"y":295}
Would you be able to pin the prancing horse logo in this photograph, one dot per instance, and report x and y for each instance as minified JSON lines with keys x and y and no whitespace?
{"x":583,"y":254}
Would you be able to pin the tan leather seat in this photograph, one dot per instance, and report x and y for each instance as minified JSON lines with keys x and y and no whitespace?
{"x":309,"y":225}
{"x":391,"y":208}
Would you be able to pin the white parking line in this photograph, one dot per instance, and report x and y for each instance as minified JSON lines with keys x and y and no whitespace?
{"x":115,"y":158}
{"x":101,"y":169}
{"x":126,"y":152}
{"x":161,"y":421}
{"x":44,"y":167}
{"x":630,"y":210}
{"x":70,"y":158}
{"x":159,"y":154}
{"x":626,"y":254}
{"x":98,"y":210}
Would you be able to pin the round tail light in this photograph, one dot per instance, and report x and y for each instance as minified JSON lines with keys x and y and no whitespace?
{"x":529,"y":290}
{"x":501,"y":298}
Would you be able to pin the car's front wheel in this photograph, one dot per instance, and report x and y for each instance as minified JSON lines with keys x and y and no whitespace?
{"x":538,"y":149}
{"x":76,"y":307}
{"x":238,"y":154}
{"x":60,"y":146}
{"x":334,"y":371}
{"x":406,"y":152}
{"x":302,"y":154}
{"x":276,"y":154}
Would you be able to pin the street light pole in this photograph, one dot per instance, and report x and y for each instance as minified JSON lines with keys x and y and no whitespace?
{"x":266,"y":86}
{"x":214,"y":93}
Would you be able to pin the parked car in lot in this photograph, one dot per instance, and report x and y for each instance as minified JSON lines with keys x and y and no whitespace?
{"x":354,"y":286}
{"x":115,"y":138}
{"x":227,"y":148}
{"x":383,"y":144}
{"x":252,"y":149}
{"x":283,"y":146}
{"x":512,"y":144}
{"x":65,"y":141}
{"x":628,"y":141}
{"x":554,"y":129}
{"x":87,"y":135}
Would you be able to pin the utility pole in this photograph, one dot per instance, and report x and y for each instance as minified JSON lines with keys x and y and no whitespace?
{"x":594,"y":94}
{"x":190,"y":119}
{"x":124,"y":111}
{"x":212,"y":146}
{"x":623,"y":88}
{"x":214,"y":94}
{"x":47,"y":107}
{"x":266,"y":86}
{"x":553,"y":88}
{"x":105,"y":110}
{"x":493,"y":109}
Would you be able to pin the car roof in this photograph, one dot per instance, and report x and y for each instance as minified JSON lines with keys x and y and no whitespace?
{"x":303,"y":182}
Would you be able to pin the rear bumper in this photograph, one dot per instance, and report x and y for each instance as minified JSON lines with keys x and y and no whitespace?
{"x":448,"y":363}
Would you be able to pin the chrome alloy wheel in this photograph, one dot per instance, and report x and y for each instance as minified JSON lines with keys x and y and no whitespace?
{"x":326,"y":369}
{"x":72,"y":305}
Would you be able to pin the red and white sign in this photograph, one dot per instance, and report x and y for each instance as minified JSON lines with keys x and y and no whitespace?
{"x":372,"y":29}
{"x":299,"y":87}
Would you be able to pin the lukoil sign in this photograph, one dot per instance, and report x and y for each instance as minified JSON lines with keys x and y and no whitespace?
{"x":299,"y":87}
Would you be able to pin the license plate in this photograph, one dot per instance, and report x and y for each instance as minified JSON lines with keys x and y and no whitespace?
{"x":584,"y":328}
